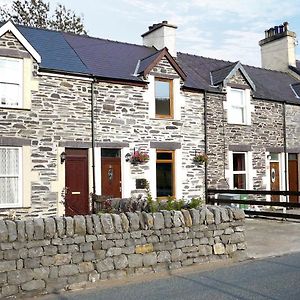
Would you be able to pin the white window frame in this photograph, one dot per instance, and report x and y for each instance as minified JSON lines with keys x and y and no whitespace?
{"x":19,"y":82}
{"x":247,"y":170}
{"x":245,"y":106}
{"x":20,"y":179}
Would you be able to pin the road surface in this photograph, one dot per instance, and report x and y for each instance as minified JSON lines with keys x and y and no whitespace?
{"x":270,"y":278}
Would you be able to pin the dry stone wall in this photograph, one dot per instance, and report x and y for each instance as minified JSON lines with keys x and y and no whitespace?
{"x":52,"y":254}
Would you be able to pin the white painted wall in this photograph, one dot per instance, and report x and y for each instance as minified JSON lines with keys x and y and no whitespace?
{"x":164,"y":36}
{"x":279,"y":54}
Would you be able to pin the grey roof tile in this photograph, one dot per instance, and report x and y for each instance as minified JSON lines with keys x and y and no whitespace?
{"x":72,"y":53}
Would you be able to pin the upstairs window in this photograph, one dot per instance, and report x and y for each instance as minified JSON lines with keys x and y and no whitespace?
{"x":237,"y":106}
{"x":11,"y":77}
{"x":163,"y":98}
{"x":10,"y":176}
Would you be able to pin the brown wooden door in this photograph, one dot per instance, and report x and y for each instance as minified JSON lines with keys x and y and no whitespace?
{"x":111,"y":176}
{"x":293,"y":176}
{"x":77,"y":196}
{"x":275,"y":180}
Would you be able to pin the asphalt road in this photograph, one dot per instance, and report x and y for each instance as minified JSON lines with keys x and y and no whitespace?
{"x":271,"y":278}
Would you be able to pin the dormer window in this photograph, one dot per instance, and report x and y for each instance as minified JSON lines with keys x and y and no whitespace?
{"x":11,"y":79}
{"x":163,"y":98}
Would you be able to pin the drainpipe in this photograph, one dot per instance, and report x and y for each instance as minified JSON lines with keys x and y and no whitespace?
{"x":285,"y":150}
{"x":93,"y":134}
{"x":205,"y":143}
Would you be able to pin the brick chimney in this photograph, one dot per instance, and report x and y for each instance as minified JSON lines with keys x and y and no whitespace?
{"x":161,"y":35}
{"x":278,"y":48}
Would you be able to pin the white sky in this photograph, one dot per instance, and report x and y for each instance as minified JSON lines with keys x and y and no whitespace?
{"x":223,"y":29}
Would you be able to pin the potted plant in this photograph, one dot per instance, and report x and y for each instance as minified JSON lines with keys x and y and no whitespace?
{"x":138,"y":157}
{"x":200,"y":158}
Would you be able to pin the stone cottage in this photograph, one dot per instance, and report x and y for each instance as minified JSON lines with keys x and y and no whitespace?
{"x":76,"y":110}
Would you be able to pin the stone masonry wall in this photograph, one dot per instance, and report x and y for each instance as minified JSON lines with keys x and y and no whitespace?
{"x":61,"y":112}
{"x":122,"y":115}
{"x":293,"y":127}
{"x":51,"y":254}
{"x":265,"y":131}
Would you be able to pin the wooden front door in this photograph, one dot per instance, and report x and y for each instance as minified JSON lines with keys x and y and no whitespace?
{"x":111,"y":173}
{"x":275,"y":180}
{"x":77,"y":195}
{"x":293,"y":176}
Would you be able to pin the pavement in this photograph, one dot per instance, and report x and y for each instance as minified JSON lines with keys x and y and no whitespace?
{"x":267,"y":237}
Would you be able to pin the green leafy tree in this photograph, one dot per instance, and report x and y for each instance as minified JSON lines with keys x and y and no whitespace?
{"x":36,"y":13}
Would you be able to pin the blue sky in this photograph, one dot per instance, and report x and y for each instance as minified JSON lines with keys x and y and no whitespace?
{"x":223,"y":29}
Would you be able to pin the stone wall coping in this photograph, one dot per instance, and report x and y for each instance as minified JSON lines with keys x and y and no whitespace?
{"x":57,"y":227}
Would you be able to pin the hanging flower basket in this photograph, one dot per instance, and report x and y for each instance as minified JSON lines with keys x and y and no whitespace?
{"x":139,"y":157}
{"x":200,"y":158}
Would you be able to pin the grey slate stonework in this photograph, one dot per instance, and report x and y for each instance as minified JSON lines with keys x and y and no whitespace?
{"x":61,"y":113}
{"x":41,"y":263}
{"x":265,"y":131}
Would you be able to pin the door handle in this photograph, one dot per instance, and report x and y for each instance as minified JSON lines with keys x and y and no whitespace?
{"x":75,"y":193}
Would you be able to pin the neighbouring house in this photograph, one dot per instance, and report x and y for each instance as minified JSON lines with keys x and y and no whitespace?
{"x":81,"y":115}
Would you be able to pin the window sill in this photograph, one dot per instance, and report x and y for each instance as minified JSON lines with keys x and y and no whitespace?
{"x":14,"y":108}
{"x":239,"y":124}
{"x":14,"y":207}
{"x":165,"y":119}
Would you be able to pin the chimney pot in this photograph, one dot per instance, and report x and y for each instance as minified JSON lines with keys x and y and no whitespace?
{"x":281,"y":29}
{"x":278,"y":48}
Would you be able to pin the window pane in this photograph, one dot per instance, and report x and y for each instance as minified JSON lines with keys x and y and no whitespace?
{"x":237,"y":97}
{"x":164,"y":155}
{"x":236,"y":115}
{"x":239,"y":181}
{"x":110,"y":153}
{"x":274,"y":156}
{"x":292,"y":156}
{"x":9,"y":161}
{"x":10,"y":94}
{"x":238,"y":161}
{"x":162,"y":97}
{"x":9,"y":172}
{"x":11,"y":70}
{"x":164,"y":179}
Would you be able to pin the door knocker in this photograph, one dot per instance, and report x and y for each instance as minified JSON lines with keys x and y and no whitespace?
{"x":273,"y":175}
{"x":110,"y":173}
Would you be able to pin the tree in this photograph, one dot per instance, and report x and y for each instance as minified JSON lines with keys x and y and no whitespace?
{"x":36,"y":13}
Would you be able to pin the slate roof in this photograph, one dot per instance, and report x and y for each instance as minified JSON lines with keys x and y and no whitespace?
{"x":54,"y":50}
{"x":297,"y":68}
{"x":270,"y":85}
{"x":108,"y":59}
{"x":218,"y":76}
{"x":81,"y":54}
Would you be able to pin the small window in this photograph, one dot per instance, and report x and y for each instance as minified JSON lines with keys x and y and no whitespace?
{"x":237,"y":106}
{"x":274,"y":156}
{"x":163,"y":98}
{"x":165,"y":174}
{"x":239,"y":170}
{"x":11,"y":77}
{"x":110,"y":152}
{"x":10,"y":176}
